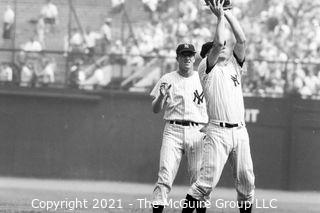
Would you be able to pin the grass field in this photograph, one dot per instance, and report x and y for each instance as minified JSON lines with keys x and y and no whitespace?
{"x":35,"y":195}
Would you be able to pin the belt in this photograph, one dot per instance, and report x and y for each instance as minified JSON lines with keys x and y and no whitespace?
{"x":229,"y":125}
{"x":184,"y":123}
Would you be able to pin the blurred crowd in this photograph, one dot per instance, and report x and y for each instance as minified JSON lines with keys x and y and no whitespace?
{"x":32,"y":67}
{"x":283,"y":39}
{"x":287,"y":34}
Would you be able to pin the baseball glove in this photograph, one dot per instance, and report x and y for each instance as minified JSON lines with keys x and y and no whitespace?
{"x":206,"y":47}
{"x":226,"y":5}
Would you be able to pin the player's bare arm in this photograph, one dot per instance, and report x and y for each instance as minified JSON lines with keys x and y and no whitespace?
{"x":240,"y":46}
{"x":158,"y":102}
{"x":220,"y":36}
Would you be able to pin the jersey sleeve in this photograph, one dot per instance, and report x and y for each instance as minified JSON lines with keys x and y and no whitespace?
{"x":155,"y":91}
{"x":240,"y":65}
{"x":244,"y":68}
{"x":202,"y":68}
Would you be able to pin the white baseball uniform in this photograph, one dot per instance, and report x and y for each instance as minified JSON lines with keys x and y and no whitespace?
{"x":224,"y":142}
{"x":185,"y":103}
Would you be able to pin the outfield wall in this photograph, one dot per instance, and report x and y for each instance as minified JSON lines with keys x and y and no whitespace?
{"x":115,"y":136}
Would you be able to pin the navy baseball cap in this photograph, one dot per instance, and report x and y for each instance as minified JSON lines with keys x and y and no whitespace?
{"x":182,"y":48}
{"x":206,"y":47}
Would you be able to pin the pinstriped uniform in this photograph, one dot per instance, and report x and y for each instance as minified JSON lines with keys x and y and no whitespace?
{"x":223,"y":93}
{"x":185,"y":102}
{"x":181,"y":103}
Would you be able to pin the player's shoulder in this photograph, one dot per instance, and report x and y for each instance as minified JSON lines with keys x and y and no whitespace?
{"x":240,"y":66}
{"x":203,"y":62}
{"x":202,"y":66}
{"x":195,"y":74}
{"x":169,"y":76}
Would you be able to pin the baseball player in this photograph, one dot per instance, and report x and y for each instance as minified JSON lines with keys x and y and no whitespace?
{"x":180,"y":94}
{"x":226,"y":135}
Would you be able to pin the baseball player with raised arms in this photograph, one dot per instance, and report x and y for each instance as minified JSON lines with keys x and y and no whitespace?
{"x":180,"y":94}
{"x":226,"y":135}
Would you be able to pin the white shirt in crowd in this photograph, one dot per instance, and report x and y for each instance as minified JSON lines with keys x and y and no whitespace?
{"x":8,"y":16}
{"x":152,"y":4}
{"x":49,"y":10}
{"x":186,"y":100}
{"x":116,"y":3}
{"x":6,"y":73}
{"x":76,"y":39}
{"x":32,"y":46}
{"x":26,"y":76}
{"x":118,"y":48}
{"x":91,"y":38}
{"x":101,"y":77}
{"x":134,"y":58}
{"x":188,"y":10}
{"x":106,"y":32}
{"x":48,"y":73}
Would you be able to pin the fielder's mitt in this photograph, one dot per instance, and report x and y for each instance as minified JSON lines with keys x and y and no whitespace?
{"x":226,"y":5}
{"x":206,"y":47}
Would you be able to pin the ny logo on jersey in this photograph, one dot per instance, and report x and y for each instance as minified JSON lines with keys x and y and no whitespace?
{"x":198,"y":98}
{"x":235,"y":80}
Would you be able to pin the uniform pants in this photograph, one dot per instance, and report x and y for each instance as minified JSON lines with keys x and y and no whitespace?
{"x":222,"y":145}
{"x":177,"y":140}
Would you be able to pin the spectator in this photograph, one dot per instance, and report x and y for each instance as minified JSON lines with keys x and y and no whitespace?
{"x":21,"y":58}
{"x":50,"y":13}
{"x":8,"y":21}
{"x":311,"y":80}
{"x":99,"y":78}
{"x":318,"y":85}
{"x":188,"y":11}
{"x":32,"y":45}
{"x":297,"y":84}
{"x":305,"y":91}
{"x":117,"y":6}
{"x":76,"y":75}
{"x":40,"y":30}
{"x":75,"y":43}
{"x":150,"y":5}
{"x":134,"y":58}
{"x":169,"y":58}
{"x":26,"y":75}
{"x":6,"y":73}
{"x":181,"y":30}
{"x":91,"y":37}
{"x":46,"y":76}
{"x":117,"y":53}
{"x":106,"y":35}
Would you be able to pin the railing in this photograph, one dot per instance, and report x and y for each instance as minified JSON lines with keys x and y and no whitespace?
{"x":78,"y":70}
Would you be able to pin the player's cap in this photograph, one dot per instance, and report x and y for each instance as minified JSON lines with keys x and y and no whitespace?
{"x":206,"y":47}
{"x":185,"y":48}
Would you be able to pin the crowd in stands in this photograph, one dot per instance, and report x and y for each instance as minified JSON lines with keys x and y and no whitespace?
{"x":28,"y":71}
{"x":8,"y":21}
{"x":32,"y":67}
{"x":283,"y":43}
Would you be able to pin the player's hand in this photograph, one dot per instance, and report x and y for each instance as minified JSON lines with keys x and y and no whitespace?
{"x":216,"y":6}
{"x":228,"y":12}
{"x":164,"y":89}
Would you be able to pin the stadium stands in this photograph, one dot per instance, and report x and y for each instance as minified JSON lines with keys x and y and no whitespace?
{"x":282,"y":54}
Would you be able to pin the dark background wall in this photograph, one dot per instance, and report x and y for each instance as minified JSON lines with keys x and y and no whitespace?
{"x":115,"y":136}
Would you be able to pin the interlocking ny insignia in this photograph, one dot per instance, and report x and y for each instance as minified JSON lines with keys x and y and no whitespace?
{"x":198,"y":98}
{"x":235,"y":80}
